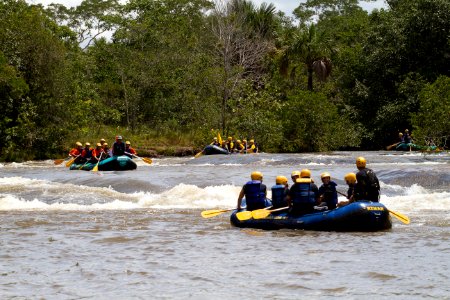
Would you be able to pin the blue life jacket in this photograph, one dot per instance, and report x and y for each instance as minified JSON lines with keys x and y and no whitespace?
{"x":279,"y":196}
{"x":254,"y":195}
{"x":303,"y":194}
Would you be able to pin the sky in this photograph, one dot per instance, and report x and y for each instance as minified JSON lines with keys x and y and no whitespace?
{"x":287,"y":6}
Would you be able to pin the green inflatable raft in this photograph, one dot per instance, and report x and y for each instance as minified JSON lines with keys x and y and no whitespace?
{"x":115,"y":163}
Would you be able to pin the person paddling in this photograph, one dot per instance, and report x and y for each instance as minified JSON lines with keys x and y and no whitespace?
{"x":303,"y":195}
{"x":76,"y":152}
{"x":350,"y":179}
{"x":129,"y":151}
{"x":97,"y":153}
{"x":255,"y":193}
{"x":327,"y":191}
{"x":280,"y":192}
{"x":118,"y":147}
{"x":367,"y":184}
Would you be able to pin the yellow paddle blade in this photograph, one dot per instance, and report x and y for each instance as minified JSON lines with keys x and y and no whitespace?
{"x":198,"y":154}
{"x":400,"y":217}
{"x":213,"y":212}
{"x":244,"y":215}
{"x":58,"y":161}
{"x":260,"y":213}
{"x":95,"y":169}
{"x":70,"y":162}
{"x":147,"y":160}
{"x":219,"y":138}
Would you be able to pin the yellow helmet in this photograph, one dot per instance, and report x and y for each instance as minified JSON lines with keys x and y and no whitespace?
{"x":295,"y":173}
{"x":105,"y":144}
{"x":244,"y":140}
{"x":305,"y":173}
{"x":230,"y":138}
{"x":99,"y":145}
{"x":252,"y":141}
{"x":400,"y":134}
{"x":238,"y":141}
{"x":325,"y":174}
{"x":87,"y":144}
{"x":361,"y":162}
{"x":127,"y":143}
{"x":281,"y":180}
{"x":256,"y":175}
{"x":350,"y":178}
{"x":102,"y":140}
{"x":78,"y":144}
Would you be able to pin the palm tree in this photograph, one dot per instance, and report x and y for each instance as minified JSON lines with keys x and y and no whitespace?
{"x":307,"y":48}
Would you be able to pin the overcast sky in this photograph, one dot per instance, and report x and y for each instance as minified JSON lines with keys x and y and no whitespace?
{"x":286,"y":6}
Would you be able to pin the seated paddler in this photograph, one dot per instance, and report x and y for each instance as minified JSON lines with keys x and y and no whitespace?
{"x":118,"y":148}
{"x":280,"y":192}
{"x":303,"y":195}
{"x":255,"y":193}
{"x":129,"y":151}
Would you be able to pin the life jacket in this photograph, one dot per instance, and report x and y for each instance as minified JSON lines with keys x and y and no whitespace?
{"x":229,"y":146}
{"x":329,"y":194}
{"x":74,"y":152}
{"x":279,"y":196}
{"x":118,"y":149}
{"x":86,"y":153}
{"x":303,"y":194}
{"x":367,"y":186}
{"x":254,"y":195}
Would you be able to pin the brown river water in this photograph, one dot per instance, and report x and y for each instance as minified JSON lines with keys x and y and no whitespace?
{"x":139,"y":234}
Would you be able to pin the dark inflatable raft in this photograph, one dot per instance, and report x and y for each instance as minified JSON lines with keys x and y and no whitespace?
{"x":212,"y":149}
{"x":115,"y":163}
{"x":357,"y":216}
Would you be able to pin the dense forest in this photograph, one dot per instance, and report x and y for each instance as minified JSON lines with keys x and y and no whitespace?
{"x":333,"y":76}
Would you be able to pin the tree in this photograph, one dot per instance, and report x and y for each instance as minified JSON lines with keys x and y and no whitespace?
{"x":307,"y":48}
{"x":432,"y":122}
{"x":241,"y":43}
{"x":312,"y":123}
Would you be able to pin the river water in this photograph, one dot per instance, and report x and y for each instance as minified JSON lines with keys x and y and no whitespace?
{"x":139,"y":234}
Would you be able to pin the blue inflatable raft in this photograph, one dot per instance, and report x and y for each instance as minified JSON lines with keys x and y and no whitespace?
{"x":357,"y":216}
{"x":212,"y":149}
{"x":115,"y":163}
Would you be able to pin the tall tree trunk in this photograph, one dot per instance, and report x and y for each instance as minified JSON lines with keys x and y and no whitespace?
{"x":310,"y":77}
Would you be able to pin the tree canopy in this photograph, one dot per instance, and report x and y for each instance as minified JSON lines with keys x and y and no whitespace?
{"x":332,"y":77}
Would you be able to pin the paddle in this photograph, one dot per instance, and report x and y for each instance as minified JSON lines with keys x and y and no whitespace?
{"x":244,"y":215}
{"x":59,"y":161}
{"x":84,"y":164}
{"x":145,"y":159}
{"x":214,"y":212}
{"x":70,"y":162}
{"x":263,"y":213}
{"x":402,"y":218}
{"x":198,"y":154}
{"x":392,"y":146}
{"x":399,"y":216}
{"x":95,"y":169}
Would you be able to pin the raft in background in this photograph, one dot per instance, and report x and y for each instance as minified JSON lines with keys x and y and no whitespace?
{"x":115,"y":163}
{"x":213,"y":149}
{"x":414,"y":147}
{"x":356,"y":216}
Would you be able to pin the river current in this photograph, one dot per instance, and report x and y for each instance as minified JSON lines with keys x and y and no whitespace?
{"x":139,"y":234}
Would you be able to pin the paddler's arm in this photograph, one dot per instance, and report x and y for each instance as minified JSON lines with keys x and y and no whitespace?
{"x":239,"y":202}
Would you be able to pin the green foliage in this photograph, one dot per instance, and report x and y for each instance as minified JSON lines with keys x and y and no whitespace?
{"x":432,"y":122}
{"x":174,"y":69}
{"x":312,"y":123}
